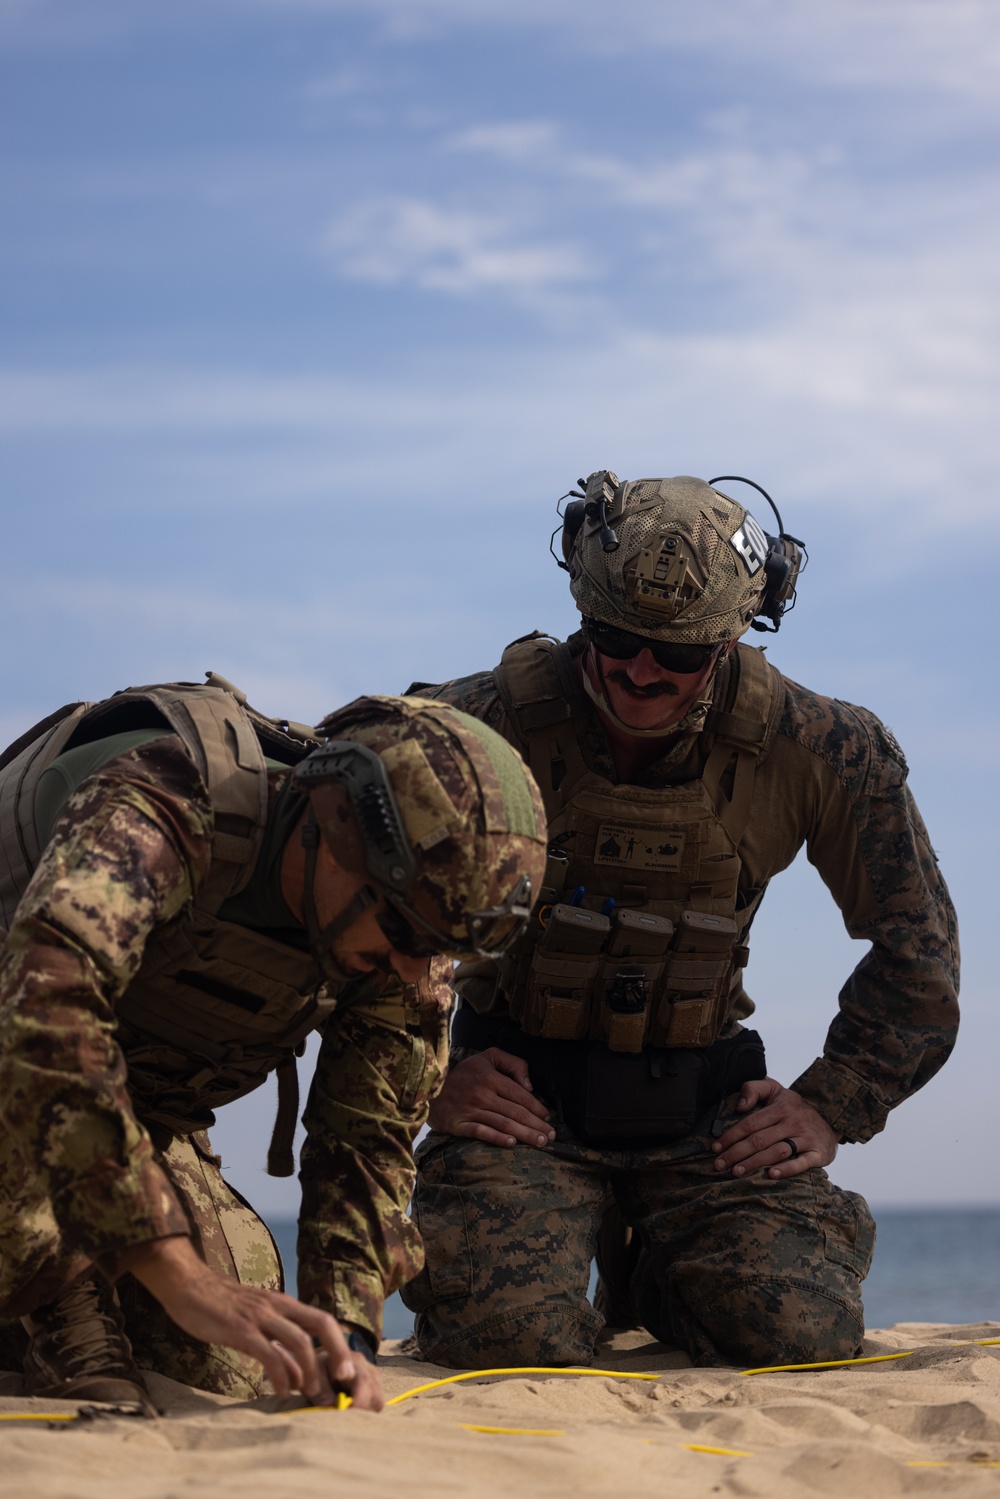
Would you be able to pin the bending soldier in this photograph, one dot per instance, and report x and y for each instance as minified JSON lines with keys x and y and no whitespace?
{"x":602,"y":1072}
{"x":190,"y":890}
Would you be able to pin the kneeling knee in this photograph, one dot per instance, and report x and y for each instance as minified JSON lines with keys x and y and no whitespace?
{"x":772,"y":1321}
{"x":541,"y":1333}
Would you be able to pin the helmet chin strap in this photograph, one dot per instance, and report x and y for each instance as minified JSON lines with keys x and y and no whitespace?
{"x":321,"y":939}
{"x":693,"y":720}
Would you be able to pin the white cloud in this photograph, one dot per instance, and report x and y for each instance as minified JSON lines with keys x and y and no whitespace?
{"x":712,"y":178}
{"x":389,"y":241}
{"x":906,"y":46}
{"x":884,"y":391}
{"x":758,"y":212}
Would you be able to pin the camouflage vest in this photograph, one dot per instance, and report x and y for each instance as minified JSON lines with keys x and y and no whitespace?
{"x":640,"y":939}
{"x":215,"y":1007}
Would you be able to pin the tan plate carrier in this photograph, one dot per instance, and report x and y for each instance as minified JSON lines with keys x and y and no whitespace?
{"x":651,"y":952}
{"x":215,"y":1006}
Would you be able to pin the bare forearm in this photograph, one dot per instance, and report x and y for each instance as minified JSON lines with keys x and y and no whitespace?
{"x":273,"y":1328}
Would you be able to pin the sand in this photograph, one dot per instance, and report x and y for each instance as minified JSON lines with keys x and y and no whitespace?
{"x":927,"y":1424}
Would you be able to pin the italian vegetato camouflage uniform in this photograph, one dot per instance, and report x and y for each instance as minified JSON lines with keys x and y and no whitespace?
{"x":736,"y":1270}
{"x":89,"y":1168}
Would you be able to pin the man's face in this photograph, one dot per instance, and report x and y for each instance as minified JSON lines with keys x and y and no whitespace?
{"x":365,"y":948}
{"x":643,"y":694}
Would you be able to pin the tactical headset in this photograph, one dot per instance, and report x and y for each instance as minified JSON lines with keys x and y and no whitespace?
{"x":786,"y":555}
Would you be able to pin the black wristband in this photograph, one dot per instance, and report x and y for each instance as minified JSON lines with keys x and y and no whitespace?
{"x":363,"y":1343}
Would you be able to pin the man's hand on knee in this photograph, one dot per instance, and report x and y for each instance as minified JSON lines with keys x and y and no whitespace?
{"x":783,"y":1134}
{"x":489,"y":1097}
{"x":273,"y":1328}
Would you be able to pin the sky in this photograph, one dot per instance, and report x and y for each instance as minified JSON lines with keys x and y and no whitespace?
{"x":311,"y":310}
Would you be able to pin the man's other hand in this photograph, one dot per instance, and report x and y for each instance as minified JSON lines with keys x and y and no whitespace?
{"x":760,"y":1142}
{"x":489,"y":1097}
{"x":271,"y":1327}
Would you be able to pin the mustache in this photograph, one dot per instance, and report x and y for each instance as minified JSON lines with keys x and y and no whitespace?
{"x":652,"y":690}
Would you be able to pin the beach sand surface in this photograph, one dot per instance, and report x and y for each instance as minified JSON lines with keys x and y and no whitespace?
{"x":926,"y":1424}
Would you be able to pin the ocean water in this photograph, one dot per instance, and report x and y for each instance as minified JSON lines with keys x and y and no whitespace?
{"x":931,"y":1265}
{"x":935,"y":1266}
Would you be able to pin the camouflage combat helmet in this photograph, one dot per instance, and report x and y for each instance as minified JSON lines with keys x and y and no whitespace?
{"x":451,"y":822}
{"x":673,"y":559}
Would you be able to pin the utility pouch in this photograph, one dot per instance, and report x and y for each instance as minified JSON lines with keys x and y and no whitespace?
{"x":571,"y":929}
{"x":639,"y":934}
{"x":563,"y":968}
{"x":626,"y":1003}
{"x":696,"y":981}
{"x":613,"y":1100}
{"x":635,"y":1101}
{"x":625,"y":992}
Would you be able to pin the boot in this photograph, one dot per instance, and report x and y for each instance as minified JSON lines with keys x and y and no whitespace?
{"x":79,"y":1350}
{"x":617,"y":1252}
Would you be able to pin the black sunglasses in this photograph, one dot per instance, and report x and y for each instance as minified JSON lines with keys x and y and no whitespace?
{"x":487,"y":933}
{"x":622,"y":645}
{"x":404,"y":938}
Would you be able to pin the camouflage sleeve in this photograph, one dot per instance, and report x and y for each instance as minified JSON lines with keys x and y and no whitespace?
{"x":898,"y":1014}
{"x":379,"y":1067}
{"x":129,"y":848}
{"x":476,"y":695}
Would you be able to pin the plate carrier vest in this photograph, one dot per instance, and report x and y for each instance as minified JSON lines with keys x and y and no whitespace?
{"x":651,"y":953}
{"x":215,"y":1007}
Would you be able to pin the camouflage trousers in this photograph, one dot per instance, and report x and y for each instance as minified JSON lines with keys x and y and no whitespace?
{"x":734,"y":1270}
{"x":225,"y":1230}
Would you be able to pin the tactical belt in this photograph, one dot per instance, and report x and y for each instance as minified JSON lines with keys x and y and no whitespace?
{"x":610,"y":1099}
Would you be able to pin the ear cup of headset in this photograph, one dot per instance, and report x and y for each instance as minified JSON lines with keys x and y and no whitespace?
{"x":573,"y":518}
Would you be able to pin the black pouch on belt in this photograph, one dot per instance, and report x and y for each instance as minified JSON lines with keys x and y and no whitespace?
{"x":622,"y":1100}
{"x":637,"y":1101}
{"x":633,"y":1100}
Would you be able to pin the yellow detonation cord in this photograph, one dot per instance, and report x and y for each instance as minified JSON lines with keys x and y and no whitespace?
{"x":484,"y":1373}
{"x":37,"y":1416}
{"x":875,"y":1358}
{"x":343,"y":1401}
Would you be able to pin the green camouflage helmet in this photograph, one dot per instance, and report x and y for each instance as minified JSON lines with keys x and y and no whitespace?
{"x":689,"y":565}
{"x":452,"y":823}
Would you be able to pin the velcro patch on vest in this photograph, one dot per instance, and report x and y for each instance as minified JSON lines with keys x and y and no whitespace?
{"x":626,"y":847}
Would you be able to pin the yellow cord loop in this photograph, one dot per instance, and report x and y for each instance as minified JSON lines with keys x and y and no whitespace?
{"x":876,"y":1358}
{"x":436,"y":1384}
{"x":834,"y":1363}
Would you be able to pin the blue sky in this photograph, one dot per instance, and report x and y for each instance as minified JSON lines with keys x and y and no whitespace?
{"x":310,"y":310}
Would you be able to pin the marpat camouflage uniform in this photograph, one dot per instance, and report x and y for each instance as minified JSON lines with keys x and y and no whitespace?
{"x":81,"y":1176}
{"x":733,"y":1269}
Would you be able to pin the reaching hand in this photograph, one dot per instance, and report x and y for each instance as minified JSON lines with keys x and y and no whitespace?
{"x":760,"y":1142}
{"x":489,"y":1097}
{"x":269,"y":1326}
